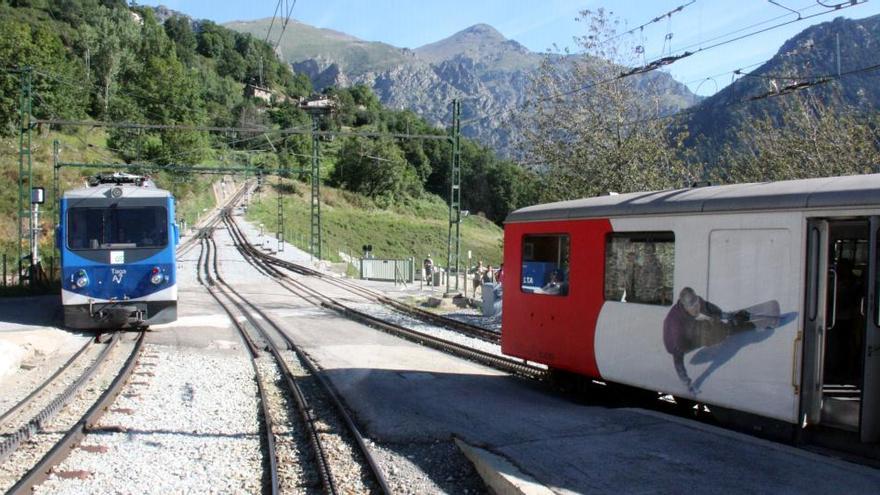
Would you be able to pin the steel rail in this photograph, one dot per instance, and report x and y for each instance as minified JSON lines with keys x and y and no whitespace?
{"x":498,"y":362}
{"x":320,"y":455}
{"x":36,"y":423}
{"x":408,"y":309}
{"x":64,"y":367}
{"x":418,"y":313}
{"x":253,"y":353}
{"x":328,"y":480}
{"x":213,"y":218}
{"x":60,"y":450}
{"x":482,"y":357}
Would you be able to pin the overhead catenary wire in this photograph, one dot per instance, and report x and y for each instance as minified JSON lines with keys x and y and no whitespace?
{"x":258,"y":130}
{"x":664,"y":61}
{"x":821,"y":80}
{"x":271,"y":24}
{"x":652,"y":21}
{"x":284,"y":25}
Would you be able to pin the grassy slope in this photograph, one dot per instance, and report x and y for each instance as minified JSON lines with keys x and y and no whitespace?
{"x":417,"y":228}
{"x":79,"y":147}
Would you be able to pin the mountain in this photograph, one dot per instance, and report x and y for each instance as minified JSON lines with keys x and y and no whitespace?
{"x":489,"y":72}
{"x":808,"y":56}
{"x":302,"y":42}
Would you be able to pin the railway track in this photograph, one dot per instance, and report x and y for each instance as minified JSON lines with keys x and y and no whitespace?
{"x":26,"y":418}
{"x":323,"y":420}
{"x":15,"y":416}
{"x":212,"y":219}
{"x":31,"y":452}
{"x":375,"y":296}
{"x":268,"y":265}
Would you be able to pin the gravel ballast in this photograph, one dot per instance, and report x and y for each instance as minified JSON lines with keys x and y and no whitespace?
{"x":31,"y":451}
{"x":186,"y":421}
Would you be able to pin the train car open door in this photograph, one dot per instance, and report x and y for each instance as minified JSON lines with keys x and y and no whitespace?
{"x":840,"y":382}
{"x":814,"y":321}
{"x":870,"y":414}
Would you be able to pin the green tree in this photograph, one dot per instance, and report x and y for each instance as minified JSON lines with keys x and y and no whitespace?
{"x":374,"y":168}
{"x":108,"y":42}
{"x":161,"y":90}
{"x":55,"y":91}
{"x":180,"y":31}
{"x":591,"y":131}
{"x":805,"y":138}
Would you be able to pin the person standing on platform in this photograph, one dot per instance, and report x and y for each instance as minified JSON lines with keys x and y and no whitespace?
{"x":478,"y":277}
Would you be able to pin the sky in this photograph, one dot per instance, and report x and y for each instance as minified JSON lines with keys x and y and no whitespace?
{"x":542,"y":24}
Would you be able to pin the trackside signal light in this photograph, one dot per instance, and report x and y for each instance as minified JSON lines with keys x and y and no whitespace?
{"x":156,"y":276}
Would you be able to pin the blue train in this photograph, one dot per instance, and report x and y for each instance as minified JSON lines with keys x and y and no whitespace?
{"x":118,"y":240}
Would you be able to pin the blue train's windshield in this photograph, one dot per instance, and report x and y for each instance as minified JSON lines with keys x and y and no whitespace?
{"x":117,"y":228}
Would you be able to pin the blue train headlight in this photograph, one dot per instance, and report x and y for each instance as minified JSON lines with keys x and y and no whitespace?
{"x":82,"y":279}
{"x":156,"y":276}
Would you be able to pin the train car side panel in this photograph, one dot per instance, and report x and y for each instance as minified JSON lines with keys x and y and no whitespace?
{"x":557,"y":330}
{"x":747,"y":269}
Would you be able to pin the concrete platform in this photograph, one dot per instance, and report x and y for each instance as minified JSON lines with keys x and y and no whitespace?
{"x":404,"y":393}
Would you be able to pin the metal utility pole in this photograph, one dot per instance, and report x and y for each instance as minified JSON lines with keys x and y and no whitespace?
{"x":56,"y":188}
{"x":25,"y":176}
{"x":454,"y":238}
{"x":315,"y":239}
{"x":316,"y":108}
{"x":280,"y":233}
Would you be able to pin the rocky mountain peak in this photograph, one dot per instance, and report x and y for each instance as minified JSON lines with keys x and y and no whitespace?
{"x":477,"y":63}
{"x":481,"y":30}
{"x":479,"y":41}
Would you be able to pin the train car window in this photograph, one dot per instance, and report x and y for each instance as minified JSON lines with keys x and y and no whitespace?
{"x":117,"y":228}
{"x":545,"y":264}
{"x":639,"y":267}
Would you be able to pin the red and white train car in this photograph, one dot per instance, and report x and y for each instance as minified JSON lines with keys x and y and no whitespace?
{"x":759,"y":298}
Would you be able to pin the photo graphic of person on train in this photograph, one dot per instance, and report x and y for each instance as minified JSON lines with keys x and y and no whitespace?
{"x":694,"y":323}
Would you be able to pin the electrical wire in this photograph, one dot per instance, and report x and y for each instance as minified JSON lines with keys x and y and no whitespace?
{"x":652,"y":21}
{"x":769,"y":94}
{"x":274,"y":15}
{"x":284,"y":26}
{"x":663,"y":61}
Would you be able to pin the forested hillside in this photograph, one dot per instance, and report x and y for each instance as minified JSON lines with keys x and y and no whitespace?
{"x":817,"y":54}
{"x":103,"y":60}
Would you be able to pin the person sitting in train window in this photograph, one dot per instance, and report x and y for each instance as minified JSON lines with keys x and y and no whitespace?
{"x":693,"y":323}
{"x":556,"y":286}
{"x":648,"y":278}
{"x":629,"y":274}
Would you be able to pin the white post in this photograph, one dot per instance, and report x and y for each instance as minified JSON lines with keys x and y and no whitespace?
{"x":35,"y":255}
